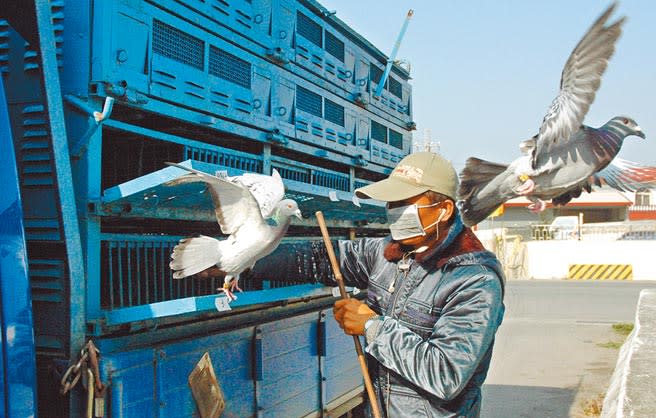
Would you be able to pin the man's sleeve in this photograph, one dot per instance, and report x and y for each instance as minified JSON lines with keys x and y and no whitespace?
{"x":445,"y":362}
{"x":308,"y":262}
{"x":357,"y":259}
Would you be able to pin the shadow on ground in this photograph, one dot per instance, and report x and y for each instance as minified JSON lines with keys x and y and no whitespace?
{"x":508,"y":401}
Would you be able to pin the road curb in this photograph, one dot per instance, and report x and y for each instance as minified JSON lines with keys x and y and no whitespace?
{"x":632,"y":388}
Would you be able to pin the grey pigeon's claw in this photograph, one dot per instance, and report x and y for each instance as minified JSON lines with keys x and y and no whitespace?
{"x":537,"y":206}
{"x":526,"y":188}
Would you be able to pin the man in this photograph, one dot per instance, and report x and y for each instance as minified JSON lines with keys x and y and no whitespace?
{"x":434,"y":295}
{"x":434,"y":300}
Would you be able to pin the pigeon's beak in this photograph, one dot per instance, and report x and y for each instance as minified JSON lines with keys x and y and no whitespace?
{"x":638,"y":132}
{"x":298,"y":214}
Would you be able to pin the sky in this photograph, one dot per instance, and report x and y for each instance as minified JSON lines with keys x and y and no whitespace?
{"x":484,"y":73}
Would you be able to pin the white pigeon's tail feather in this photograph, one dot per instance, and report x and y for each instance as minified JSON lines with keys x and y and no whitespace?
{"x":193,"y":255}
{"x":475,"y":176}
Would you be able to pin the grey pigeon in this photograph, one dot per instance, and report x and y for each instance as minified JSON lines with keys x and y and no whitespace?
{"x":250,"y":209}
{"x":565,"y":157}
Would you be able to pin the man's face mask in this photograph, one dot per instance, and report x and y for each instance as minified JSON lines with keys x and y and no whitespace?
{"x":404,"y":221}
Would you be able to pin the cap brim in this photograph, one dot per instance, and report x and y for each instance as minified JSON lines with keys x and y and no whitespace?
{"x":390,"y":190}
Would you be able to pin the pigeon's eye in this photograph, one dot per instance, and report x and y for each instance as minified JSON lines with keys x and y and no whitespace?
{"x":626,"y":121}
{"x":289,"y":206}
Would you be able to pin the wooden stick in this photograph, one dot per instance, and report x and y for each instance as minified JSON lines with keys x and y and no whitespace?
{"x":342,"y":292}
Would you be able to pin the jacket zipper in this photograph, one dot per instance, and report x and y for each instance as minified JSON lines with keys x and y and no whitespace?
{"x":404,"y":266}
{"x":392,"y":289}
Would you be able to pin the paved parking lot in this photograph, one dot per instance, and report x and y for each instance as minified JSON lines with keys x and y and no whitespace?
{"x":552,"y":353}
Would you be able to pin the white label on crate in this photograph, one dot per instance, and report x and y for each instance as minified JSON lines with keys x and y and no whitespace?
{"x":354,"y":291}
{"x":333,"y":196}
{"x":222,"y":304}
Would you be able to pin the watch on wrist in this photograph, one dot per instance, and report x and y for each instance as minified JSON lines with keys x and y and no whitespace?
{"x":370,"y":321}
{"x":371,"y":327}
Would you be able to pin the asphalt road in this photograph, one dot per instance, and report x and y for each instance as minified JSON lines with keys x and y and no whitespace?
{"x":549,"y":361}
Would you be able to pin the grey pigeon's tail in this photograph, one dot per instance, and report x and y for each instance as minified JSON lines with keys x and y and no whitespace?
{"x":477,"y":174}
{"x":193,"y":255}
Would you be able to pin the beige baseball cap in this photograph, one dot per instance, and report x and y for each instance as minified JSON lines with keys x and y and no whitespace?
{"x":417,"y":173}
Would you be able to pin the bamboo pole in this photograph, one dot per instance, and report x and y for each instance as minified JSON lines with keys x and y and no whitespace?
{"x":342,"y":291}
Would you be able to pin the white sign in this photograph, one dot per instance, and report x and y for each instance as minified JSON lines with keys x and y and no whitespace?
{"x":222,"y":303}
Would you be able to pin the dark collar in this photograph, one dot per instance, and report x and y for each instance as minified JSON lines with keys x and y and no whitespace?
{"x":459,"y":240}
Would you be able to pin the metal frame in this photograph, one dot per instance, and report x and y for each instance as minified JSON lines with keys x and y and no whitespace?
{"x":17,"y":352}
{"x":91,"y":52}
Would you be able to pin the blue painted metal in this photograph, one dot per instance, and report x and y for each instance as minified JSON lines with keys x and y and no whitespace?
{"x":390,"y":60}
{"x":310,"y":186}
{"x":237,"y":86}
{"x":17,"y":354}
{"x":203,"y":304}
{"x":267,"y":370}
{"x":61,"y":159}
{"x":96,"y":117}
{"x":340,"y":366}
{"x":265,"y":102}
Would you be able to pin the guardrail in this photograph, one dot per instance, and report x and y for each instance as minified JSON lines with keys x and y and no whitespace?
{"x":642,"y":208}
{"x":605,"y":231}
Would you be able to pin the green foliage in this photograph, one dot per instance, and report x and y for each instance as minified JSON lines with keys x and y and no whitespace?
{"x":610,"y":344}
{"x":623,"y":328}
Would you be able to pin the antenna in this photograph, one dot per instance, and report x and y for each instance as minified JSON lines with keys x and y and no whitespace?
{"x":390,"y":60}
{"x":427,"y":143}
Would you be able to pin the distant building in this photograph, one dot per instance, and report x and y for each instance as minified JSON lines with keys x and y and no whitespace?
{"x":602,"y":205}
{"x":644,"y":205}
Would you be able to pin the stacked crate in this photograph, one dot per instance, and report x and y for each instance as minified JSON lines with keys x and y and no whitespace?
{"x":229,"y":85}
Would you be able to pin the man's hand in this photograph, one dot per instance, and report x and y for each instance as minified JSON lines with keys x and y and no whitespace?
{"x":351,"y":314}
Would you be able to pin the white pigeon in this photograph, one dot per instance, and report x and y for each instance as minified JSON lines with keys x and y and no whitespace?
{"x":251,"y":210}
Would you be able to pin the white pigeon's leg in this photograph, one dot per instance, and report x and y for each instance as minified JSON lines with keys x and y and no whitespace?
{"x":537,"y":206}
{"x":526,"y":187}
{"x":228,"y":288}
{"x":235,"y":286}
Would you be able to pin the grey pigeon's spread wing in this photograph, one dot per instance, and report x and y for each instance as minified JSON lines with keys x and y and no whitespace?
{"x":234,"y":204}
{"x":579,"y":82}
{"x":527,"y":147}
{"x":267,"y":190}
{"x":626,"y":176}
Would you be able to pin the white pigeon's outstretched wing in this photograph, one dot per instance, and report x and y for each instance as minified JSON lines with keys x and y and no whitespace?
{"x":626,"y":176}
{"x":267,"y":190}
{"x":579,"y":82}
{"x":234,"y":204}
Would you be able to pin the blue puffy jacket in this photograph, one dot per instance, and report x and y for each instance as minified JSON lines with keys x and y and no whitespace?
{"x":430,"y":350}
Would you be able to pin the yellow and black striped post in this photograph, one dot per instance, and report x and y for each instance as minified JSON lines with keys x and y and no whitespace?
{"x":600,"y":272}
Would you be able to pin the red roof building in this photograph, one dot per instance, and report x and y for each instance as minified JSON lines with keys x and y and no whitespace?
{"x":644,"y":206}
{"x":602,"y":205}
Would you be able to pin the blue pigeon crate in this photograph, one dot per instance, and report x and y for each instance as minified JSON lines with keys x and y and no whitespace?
{"x":194,"y":62}
{"x":290,"y":367}
{"x":233,"y":86}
